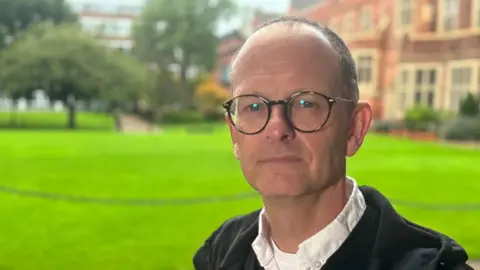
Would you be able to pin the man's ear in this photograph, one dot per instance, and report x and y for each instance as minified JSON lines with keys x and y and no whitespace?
{"x":362,"y":117}
{"x":232,"y":135}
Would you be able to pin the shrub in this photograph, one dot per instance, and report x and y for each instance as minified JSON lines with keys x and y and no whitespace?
{"x":386,"y":126}
{"x":182,"y":117}
{"x":209,"y":96}
{"x":214,"y":115}
{"x":421,"y":119}
{"x":469,"y":106}
{"x":462,"y":129}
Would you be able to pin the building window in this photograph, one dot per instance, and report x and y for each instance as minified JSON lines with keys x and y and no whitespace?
{"x":425,"y":85}
{"x":348,"y":24}
{"x":460,"y":85}
{"x":366,"y":19}
{"x":111,"y":28}
{"x":402,"y":86}
{"x":477,"y":12}
{"x":364,"y":69}
{"x":406,"y":12}
{"x":451,"y":14}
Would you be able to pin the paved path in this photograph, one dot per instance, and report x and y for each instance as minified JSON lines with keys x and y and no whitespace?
{"x":130,"y":123}
{"x":468,"y":145}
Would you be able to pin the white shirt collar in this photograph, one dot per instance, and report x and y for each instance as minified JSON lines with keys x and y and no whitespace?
{"x":314,"y":251}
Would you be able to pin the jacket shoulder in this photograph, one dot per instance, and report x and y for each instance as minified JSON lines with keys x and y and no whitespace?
{"x":430,"y":259}
{"x":224,"y":238}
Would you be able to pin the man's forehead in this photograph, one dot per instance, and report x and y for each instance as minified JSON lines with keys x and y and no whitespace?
{"x":279,"y":33}
{"x":274,"y":45}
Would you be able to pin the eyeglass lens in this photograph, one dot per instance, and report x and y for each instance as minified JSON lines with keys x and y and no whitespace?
{"x":306,"y":112}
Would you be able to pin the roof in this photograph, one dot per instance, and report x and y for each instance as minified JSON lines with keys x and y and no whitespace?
{"x":261,"y":16}
{"x":302,"y":4}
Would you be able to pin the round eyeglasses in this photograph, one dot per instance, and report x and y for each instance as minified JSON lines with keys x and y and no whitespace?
{"x":305,"y":111}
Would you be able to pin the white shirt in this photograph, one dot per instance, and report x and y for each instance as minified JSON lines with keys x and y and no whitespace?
{"x":313,"y":252}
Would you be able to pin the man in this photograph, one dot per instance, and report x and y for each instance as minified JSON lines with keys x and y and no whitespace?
{"x":294,"y":118}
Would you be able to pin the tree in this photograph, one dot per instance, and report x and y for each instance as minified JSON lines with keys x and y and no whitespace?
{"x":70,"y":65}
{"x":18,"y":15}
{"x":469,"y":106}
{"x":180,"y":35}
{"x":209,"y":96}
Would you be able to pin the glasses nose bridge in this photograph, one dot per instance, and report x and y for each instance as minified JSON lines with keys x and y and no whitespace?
{"x":283,"y":102}
{"x":278,"y":102}
{"x":283,"y":113}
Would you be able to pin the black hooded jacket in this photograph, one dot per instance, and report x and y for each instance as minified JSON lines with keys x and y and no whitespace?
{"x":382,"y":239}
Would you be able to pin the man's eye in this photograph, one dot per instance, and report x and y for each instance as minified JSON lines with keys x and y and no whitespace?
{"x":254,"y":107}
{"x":305,"y":104}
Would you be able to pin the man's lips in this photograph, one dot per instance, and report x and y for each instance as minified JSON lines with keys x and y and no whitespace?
{"x":281,"y":159}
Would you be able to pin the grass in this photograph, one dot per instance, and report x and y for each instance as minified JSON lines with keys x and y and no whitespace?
{"x":47,"y":234}
{"x":54,"y":120}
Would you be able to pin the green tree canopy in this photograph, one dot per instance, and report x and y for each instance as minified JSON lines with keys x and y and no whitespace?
{"x":180,"y":33}
{"x":18,"y":15}
{"x":67,"y":63}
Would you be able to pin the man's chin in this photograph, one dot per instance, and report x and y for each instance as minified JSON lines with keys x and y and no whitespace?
{"x":281,"y":187}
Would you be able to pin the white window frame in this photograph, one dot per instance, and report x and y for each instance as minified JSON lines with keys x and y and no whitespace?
{"x":461,"y":79}
{"x":425,"y":87}
{"x":451,"y":15}
{"x":348,"y":24}
{"x":366,"y":19}
{"x":475,"y":22}
{"x":404,"y":84}
{"x":455,"y":92}
{"x":365,"y":63}
{"x":405,"y":12}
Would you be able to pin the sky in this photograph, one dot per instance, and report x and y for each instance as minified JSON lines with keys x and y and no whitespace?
{"x":279,"y":6}
{"x":267,"y":5}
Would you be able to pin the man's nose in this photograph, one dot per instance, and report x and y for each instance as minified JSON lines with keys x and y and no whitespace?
{"x":279,"y":127}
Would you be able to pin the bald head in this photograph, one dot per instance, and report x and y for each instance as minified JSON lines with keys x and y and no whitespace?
{"x":310,"y":42}
{"x":298,"y":66}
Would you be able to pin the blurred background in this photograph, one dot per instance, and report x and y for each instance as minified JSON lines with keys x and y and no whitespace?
{"x":114,"y":153}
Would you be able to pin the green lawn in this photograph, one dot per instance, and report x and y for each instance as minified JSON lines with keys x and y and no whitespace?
{"x":54,"y":120}
{"x":47,"y":234}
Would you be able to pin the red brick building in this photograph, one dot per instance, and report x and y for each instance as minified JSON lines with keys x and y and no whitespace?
{"x":365,"y":26}
{"x":227,"y":47}
{"x":408,"y":52}
{"x":229,"y":44}
{"x":439,"y":53}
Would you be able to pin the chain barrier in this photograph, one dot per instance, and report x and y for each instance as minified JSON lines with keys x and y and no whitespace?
{"x":206,"y":200}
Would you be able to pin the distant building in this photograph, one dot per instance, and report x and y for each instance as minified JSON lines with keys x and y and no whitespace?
{"x":408,"y":53}
{"x":438,"y":53}
{"x":227,"y":47}
{"x":111,"y":23}
{"x":304,"y":5}
{"x":366,"y":29}
{"x":251,"y":18}
{"x":230,"y":43}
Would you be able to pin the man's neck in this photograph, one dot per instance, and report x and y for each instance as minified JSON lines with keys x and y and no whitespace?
{"x":292,"y":220}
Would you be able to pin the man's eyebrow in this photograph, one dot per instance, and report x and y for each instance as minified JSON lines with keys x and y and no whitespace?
{"x":249,"y":92}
